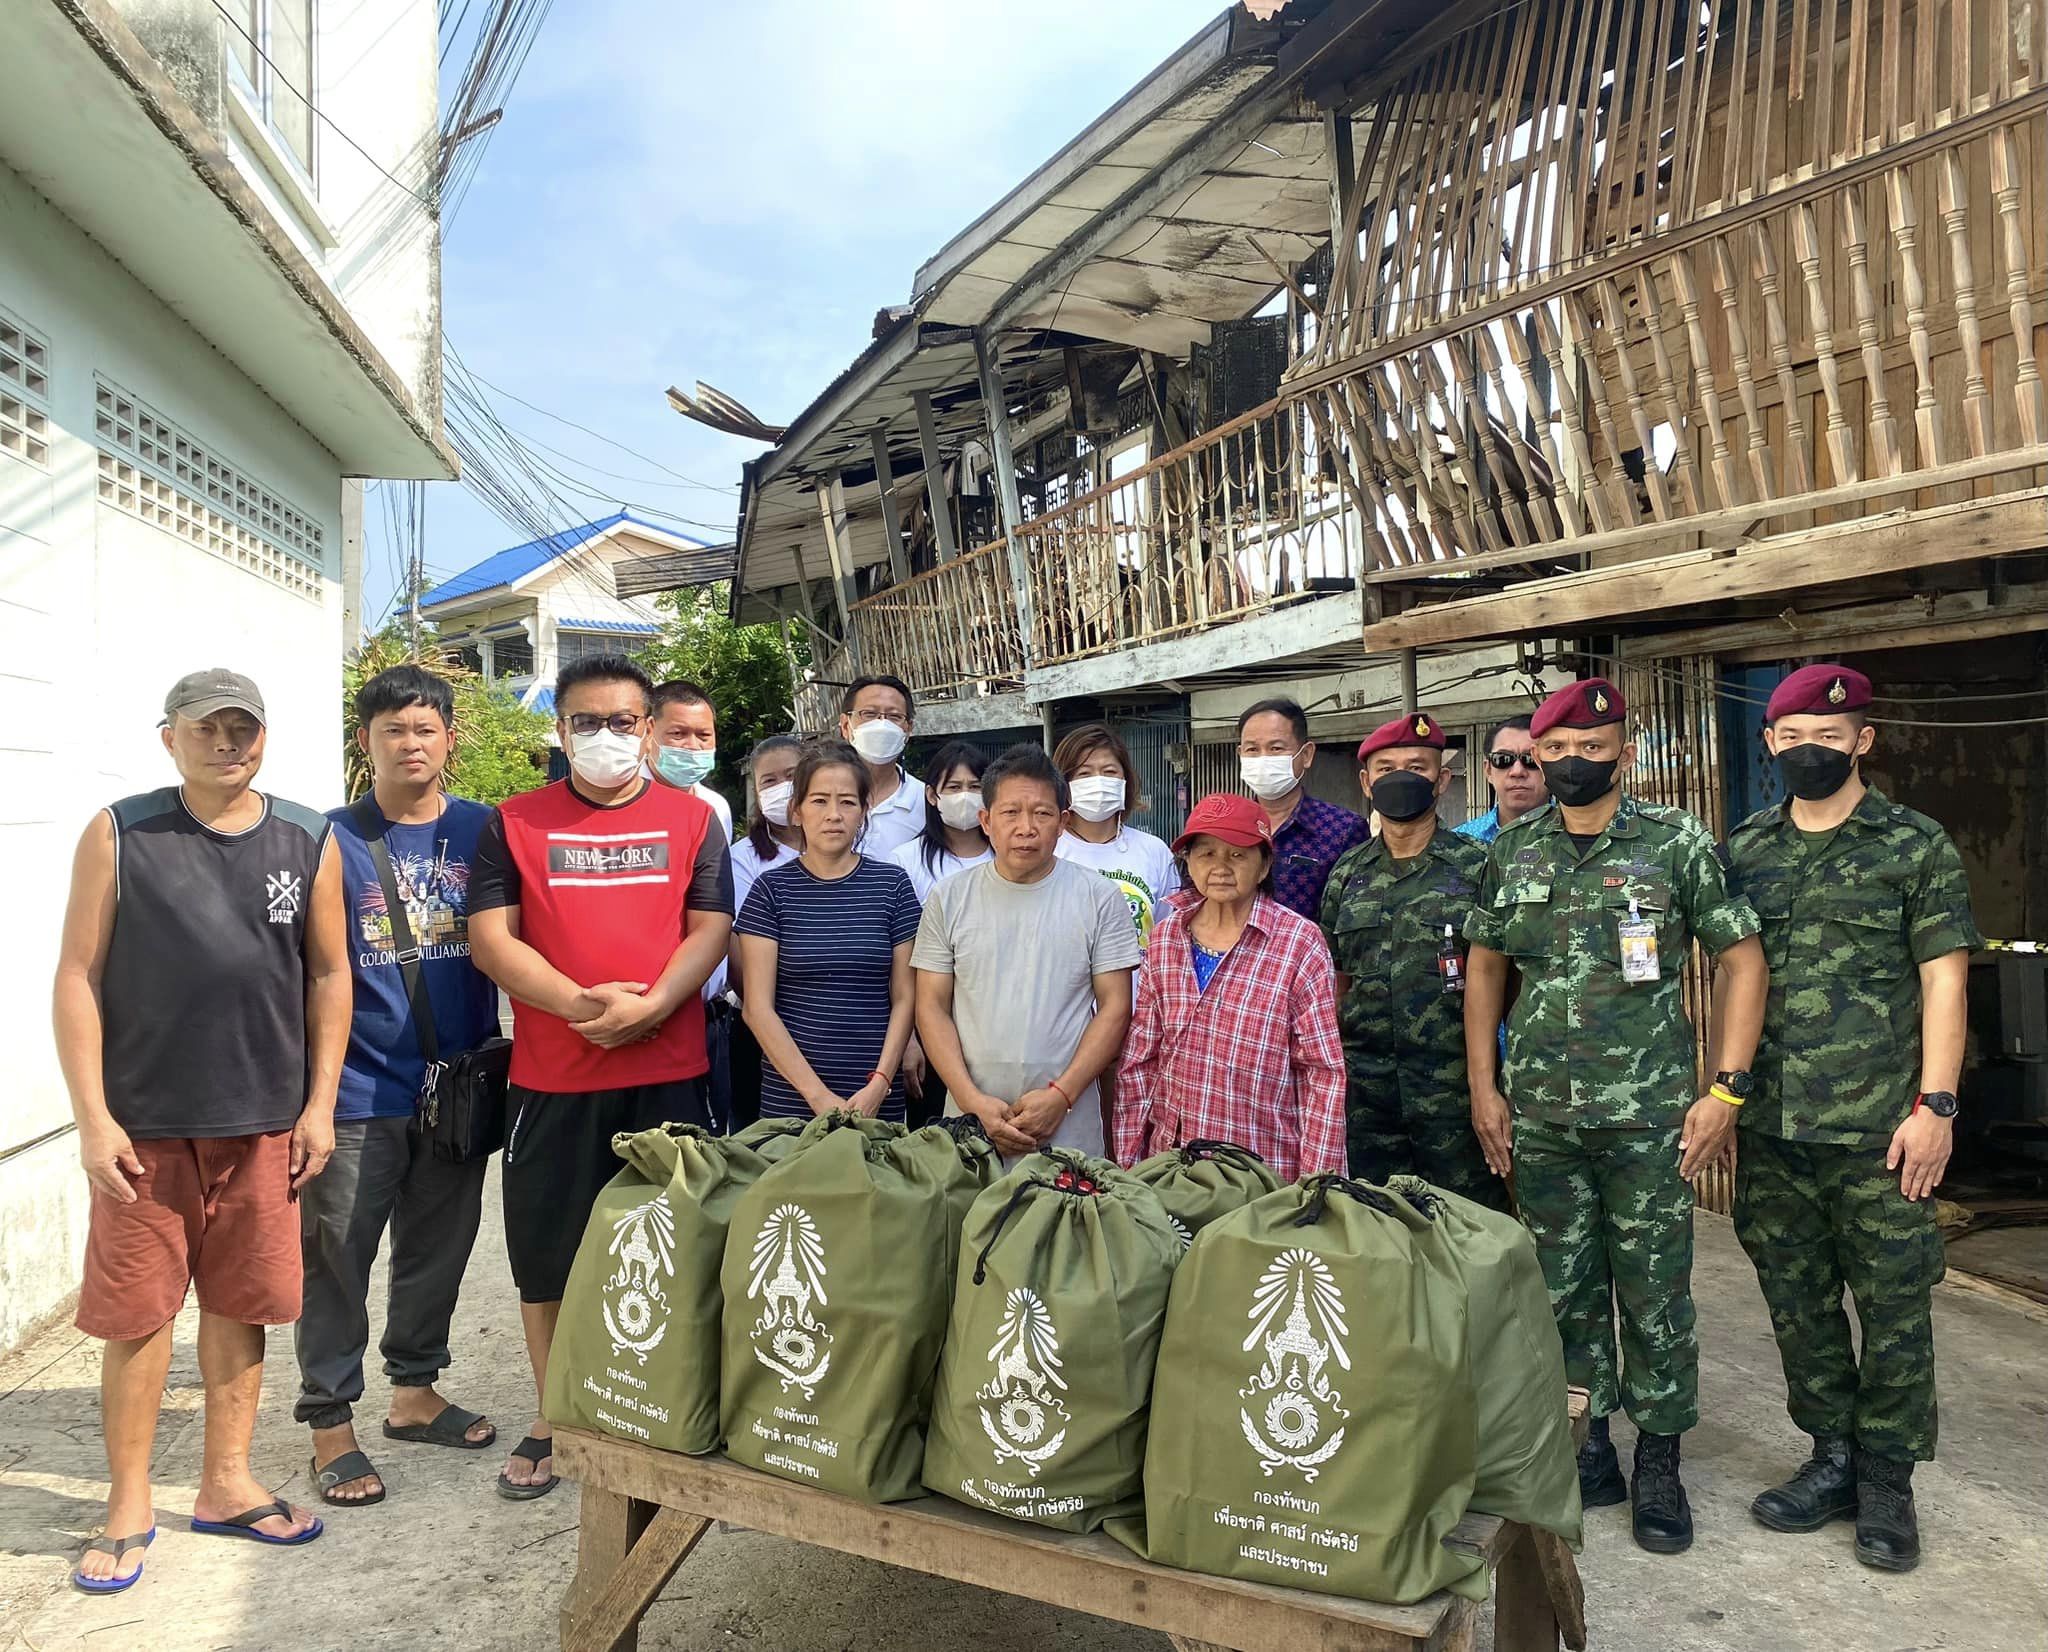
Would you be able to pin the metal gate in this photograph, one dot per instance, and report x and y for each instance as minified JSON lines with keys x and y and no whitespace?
{"x":1157,"y":742}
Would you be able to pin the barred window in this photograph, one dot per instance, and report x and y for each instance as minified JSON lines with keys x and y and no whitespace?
{"x":24,"y":393}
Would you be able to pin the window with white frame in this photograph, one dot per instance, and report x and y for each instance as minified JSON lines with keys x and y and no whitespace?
{"x":571,"y":646}
{"x":270,"y":52}
{"x":24,"y":393}
{"x":512,"y":655}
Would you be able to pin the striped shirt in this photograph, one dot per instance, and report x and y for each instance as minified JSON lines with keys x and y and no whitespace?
{"x":835,"y":943}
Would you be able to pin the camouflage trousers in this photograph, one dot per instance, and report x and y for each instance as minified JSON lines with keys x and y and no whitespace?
{"x":1390,"y":1133}
{"x":1817,"y":1219}
{"x":1613,"y":1225}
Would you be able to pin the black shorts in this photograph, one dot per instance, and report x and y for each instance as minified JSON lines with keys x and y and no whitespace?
{"x":558,"y":1156}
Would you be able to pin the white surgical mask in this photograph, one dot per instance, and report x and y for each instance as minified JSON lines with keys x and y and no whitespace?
{"x":879,"y":742}
{"x":604,"y":759}
{"x":1098,"y":796}
{"x":960,"y":810}
{"x":774,"y":801}
{"x":1268,"y":777}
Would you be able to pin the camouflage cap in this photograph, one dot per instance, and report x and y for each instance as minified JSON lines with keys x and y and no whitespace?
{"x":1411,"y":728}
{"x":1819,"y":691}
{"x":1593,"y":703}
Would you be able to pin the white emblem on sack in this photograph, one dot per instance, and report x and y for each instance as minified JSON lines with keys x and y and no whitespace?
{"x":1291,"y":1414}
{"x":636,"y":1308}
{"x":1018,"y":1404}
{"x":789,"y":1278}
{"x":1180,"y":1230}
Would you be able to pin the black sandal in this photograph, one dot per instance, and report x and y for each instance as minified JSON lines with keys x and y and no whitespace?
{"x":350,"y":1465}
{"x":450,"y":1428}
{"x":534,"y":1451}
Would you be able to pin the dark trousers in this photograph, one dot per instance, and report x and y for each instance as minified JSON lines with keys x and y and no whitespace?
{"x":381,"y":1173}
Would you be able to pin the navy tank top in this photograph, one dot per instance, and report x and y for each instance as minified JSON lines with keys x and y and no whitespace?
{"x":204,"y":995}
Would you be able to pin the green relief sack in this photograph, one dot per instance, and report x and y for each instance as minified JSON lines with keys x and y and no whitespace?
{"x":637,"y":1347}
{"x":773,"y":1139}
{"x":1313,"y":1419}
{"x":1528,"y":1467}
{"x":838,"y":1277}
{"x":1045,"y":1386}
{"x":1199,"y":1181}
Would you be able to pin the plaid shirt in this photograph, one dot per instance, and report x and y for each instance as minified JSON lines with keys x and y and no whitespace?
{"x":1316,"y":836}
{"x":1255,"y":1059}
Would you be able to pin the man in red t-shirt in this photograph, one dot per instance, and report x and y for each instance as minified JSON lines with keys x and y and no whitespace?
{"x":601,"y":904}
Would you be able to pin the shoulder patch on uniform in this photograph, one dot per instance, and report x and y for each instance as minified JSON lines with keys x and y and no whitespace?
{"x":310,"y":821}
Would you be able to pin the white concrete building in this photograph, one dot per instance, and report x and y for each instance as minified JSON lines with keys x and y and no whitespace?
{"x":219,"y":301}
{"x":522,"y":614}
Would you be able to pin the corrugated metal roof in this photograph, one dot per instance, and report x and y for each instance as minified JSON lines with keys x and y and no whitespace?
{"x":637,"y":627}
{"x":508,"y":567}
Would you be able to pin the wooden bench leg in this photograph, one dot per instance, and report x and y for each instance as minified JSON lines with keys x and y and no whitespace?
{"x":1537,"y":1597}
{"x":626,"y":1551}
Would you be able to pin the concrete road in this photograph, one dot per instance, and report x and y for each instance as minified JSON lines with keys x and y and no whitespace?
{"x":445,"y":1563}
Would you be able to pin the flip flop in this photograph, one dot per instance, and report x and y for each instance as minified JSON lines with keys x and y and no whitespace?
{"x":533,"y":1451}
{"x":244,"y":1525}
{"x":447,"y":1429}
{"x":117,"y":1547}
{"x":350,"y":1465}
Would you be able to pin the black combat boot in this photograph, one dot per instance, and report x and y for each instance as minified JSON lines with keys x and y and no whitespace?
{"x":1824,"y":1489}
{"x":1887,"y":1531}
{"x":1662,"y":1516}
{"x":1600,"y":1481}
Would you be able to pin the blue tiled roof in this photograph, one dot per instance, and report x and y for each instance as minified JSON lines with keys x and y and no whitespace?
{"x":543,"y":699}
{"x":521,"y":560}
{"x":645,"y":628}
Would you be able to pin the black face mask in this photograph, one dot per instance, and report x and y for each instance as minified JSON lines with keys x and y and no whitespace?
{"x":1403,"y":795}
{"x":1578,"y":781}
{"x":1813,"y":772}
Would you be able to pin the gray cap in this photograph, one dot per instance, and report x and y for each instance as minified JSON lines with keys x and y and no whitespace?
{"x":202,"y":693}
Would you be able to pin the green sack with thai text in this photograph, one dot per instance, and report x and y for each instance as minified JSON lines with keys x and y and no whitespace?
{"x":1199,"y":1181}
{"x":1045,"y":1385}
{"x":838,"y":1276}
{"x":1313,"y":1420}
{"x":1527,"y":1468}
{"x":636,"y":1349}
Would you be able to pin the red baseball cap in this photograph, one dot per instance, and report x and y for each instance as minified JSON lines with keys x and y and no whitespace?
{"x":1818,"y":691}
{"x":1593,"y":703}
{"x":1232,"y":818}
{"x":1411,"y":728}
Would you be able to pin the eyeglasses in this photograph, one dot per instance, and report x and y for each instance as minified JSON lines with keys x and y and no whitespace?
{"x":619,"y":722}
{"x":870,"y":715}
{"x":1505,"y":760}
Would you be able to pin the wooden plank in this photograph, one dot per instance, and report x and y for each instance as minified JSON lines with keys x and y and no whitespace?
{"x":609,"y":1618}
{"x":2005,"y":187}
{"x":609,"y":1525}
{"x":885,"y":492}
{"x":934,"y":476}
{"x":1790,"y":562}
{"x":1957,"y":615}
{"x":1092,"y":1573}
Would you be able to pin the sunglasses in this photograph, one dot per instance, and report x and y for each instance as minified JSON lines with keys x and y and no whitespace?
{"x":1505,"y":760}
{"x":619,"y":722}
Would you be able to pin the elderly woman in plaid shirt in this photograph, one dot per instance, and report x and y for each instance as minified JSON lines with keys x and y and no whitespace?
{"x":1234,"y":1029}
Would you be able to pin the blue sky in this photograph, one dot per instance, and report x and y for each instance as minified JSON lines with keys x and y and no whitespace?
{"x":730,"y":192}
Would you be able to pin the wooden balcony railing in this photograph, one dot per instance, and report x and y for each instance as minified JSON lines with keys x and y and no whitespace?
{"x":948,"y":629}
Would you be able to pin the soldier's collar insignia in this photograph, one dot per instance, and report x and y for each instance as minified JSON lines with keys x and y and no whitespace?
{"x":1837,"y":693}
{"x":1599,"y":700}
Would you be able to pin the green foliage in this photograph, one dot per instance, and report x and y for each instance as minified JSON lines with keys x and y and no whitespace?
{"x":501,"y":748}
{"x":744,"y":669}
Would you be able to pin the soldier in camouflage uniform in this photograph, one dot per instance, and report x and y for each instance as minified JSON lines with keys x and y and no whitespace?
{"x":1388,"y":909}
{"x":1866,"y":922}
{"x":1596,"y":902}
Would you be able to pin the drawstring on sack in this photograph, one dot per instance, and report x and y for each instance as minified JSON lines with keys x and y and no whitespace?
{"x":1319,"y":1189}
{"x":1073,"y":1178}
{"x":969,"y":1137}
{"x":1244,"y":1158}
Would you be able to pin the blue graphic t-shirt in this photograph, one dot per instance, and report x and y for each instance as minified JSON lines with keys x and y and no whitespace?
{"x":380,"y":1078}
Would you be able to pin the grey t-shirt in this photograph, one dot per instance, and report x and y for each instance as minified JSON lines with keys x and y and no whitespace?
{"x":1022,"y":957}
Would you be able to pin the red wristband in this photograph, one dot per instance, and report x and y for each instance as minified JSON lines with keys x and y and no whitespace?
{"x":884,"y":1077}
{"x":1053,"y":1085}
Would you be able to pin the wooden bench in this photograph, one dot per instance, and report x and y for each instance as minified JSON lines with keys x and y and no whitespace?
{"x":644,"y":1511}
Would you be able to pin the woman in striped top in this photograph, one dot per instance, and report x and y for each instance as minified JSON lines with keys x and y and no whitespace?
{"x":824,"y":946}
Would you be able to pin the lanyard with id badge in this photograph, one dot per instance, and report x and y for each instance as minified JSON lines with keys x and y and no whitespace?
{"x":1638,"y":947}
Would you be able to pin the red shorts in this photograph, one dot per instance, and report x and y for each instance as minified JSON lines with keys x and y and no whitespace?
{"x":216,"y":1213}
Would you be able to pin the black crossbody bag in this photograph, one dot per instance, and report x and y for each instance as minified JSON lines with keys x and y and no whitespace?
{"x":461,"y":1105}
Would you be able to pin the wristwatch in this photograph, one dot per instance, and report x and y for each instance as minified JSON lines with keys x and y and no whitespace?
{"x":1941,"y":1103}
{"x":1737,"y":1084}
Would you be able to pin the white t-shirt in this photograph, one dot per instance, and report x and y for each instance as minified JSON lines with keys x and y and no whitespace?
{"x":747,"y":866}
{"x":896,"y":820}
{"x":911,"y":858}
{"x":1139,"y":864}
{"x":715,"y":801}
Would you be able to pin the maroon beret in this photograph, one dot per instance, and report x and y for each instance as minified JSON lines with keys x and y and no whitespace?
{"x":1593,"y":703}
{"x":1818,"y":691}
{"x":1411,"y":728}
